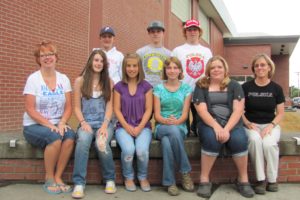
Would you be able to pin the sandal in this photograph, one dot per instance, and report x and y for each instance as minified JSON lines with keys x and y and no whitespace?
{"x":51,"y":184}
{"x":64,"y":187}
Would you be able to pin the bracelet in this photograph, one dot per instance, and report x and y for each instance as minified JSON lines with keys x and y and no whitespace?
{"x":82,"y":121}
{"x":273,"y":123}
{"x":106,"y":120}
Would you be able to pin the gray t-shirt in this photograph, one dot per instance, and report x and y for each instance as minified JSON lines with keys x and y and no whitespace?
{"x":153,"y":61}
{"x":219,"y":105}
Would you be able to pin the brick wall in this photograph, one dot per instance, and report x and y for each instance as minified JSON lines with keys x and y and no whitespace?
{"x":130,"y":19}
{"x":239,"y":55}
{"x":224,"y":170}
{"x":216,"y":40}
{"x":25,"y":23}
{"x":281,"y":75}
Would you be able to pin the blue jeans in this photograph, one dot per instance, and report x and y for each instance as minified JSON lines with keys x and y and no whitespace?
{"x":82,"y":150}
{"x":237,"y":143}
{"x":40,"y":136}
{"x":129,"y":145}
{"x":173,"y":152}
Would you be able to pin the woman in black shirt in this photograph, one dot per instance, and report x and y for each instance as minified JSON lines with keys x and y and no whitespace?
{"x":264,"y":109}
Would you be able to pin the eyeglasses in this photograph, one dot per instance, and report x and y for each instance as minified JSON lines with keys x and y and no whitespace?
{"x":46,"y":55}
{"x":260,"y":65}
{"x":192,"y":29}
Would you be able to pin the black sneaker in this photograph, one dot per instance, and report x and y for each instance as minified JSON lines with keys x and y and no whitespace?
{"x":260,"y":187}
{"x":245,"y":189}
{"x":204,"y":190}
{"x":272,"y":187}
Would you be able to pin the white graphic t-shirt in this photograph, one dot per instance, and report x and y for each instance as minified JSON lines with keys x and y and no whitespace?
{"x":49,"y":103}
{"x":193,"y":59}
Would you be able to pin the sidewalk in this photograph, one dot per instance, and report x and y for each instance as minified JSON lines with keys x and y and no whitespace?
{"x":94,"y":192}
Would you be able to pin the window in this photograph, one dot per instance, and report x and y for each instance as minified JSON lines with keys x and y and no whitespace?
{"x":204,"y":23}
{"x":182,"y":9}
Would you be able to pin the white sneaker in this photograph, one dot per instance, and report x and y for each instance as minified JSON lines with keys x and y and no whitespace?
{"x":78,"y":192}
{"x":110,"y":187}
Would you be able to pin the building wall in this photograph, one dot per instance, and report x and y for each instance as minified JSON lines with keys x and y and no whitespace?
{"x":239,"y":57}
{"x":74,"y":27}
{"x":216,"y":40}
{"x":281,"y":75}
{"x":26,"y":23}
{"x":176,"y":36}
{"x":223,"y":171}
{"x":129,"y":19}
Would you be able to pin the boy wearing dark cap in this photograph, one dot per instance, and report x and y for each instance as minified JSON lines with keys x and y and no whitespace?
{"x":115,"y":57}
{"x":154,"y":54}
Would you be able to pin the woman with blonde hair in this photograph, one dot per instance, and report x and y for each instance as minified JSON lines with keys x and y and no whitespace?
{"x":133,"y":108}
{"x":219,"y":102}
{"x":264,"y":109}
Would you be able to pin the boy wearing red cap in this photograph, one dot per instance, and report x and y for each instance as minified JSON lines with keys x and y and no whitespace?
{"x":193,"y":57}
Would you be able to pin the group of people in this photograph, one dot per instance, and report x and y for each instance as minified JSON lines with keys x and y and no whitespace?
{"x":117,"y":95}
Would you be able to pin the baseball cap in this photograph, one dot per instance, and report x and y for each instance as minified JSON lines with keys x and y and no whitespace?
{"x":191,"y":23}
{"x":156,"y":25}
{"x":107,"y":29}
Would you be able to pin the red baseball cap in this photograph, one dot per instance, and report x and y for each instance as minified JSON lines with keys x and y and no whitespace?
{"x":191,"y":23}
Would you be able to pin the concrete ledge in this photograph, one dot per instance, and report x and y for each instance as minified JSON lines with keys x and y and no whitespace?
{"x":23,"y":150}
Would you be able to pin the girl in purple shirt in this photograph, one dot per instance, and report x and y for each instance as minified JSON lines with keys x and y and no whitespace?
{"x":133,"y":109}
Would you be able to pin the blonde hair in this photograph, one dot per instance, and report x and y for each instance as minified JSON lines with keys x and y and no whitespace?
{"x":205,"y":81}
{"x":141,"y":74}
{"x":167,"y":62}
{"x":269,"y":62}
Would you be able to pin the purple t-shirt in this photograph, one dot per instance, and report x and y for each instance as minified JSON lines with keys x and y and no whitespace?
{"x":133,"y":106}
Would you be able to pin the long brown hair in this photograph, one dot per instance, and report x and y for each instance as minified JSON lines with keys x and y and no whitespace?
{"x":104,"y":80}
{"x":205,"y":81}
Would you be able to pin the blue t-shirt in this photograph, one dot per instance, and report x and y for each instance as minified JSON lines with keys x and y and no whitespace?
{"x":171,"y":103}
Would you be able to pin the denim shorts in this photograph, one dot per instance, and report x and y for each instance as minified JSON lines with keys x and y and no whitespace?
{"x":41,"y":136}
{"x":237,"y":143}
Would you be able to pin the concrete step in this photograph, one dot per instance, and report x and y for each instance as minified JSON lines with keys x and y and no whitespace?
{"x":95,"y":192}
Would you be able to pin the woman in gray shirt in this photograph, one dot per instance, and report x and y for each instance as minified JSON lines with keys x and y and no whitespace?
{"x":219,"y":102}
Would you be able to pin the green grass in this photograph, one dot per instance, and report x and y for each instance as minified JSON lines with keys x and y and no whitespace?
{"x":290,"y":122}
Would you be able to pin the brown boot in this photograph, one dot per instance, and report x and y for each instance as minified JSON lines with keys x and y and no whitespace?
{"x":260,"y":187}
{"x":187,"y":183}
{"x":272,"y":187}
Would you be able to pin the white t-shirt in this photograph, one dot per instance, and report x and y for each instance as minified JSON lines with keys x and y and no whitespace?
{"x":50,"y":104}
{"x":193,"y":59}
{"x":115,"y":59}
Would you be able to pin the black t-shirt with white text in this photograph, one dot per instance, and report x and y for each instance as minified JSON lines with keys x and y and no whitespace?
{"x":261,"y":101}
